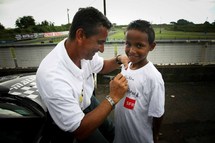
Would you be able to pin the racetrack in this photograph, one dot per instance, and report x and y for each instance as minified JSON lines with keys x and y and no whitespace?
{"x":189,"y":112}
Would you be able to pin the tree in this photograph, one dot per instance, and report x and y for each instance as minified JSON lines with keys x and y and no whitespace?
{"x":172,"y":23}
{"x":206,"y":23}
{"x":183,"y":22}
{"x":45,"y":23}
{"x":1,"y":27}
{"x":25,"y":22}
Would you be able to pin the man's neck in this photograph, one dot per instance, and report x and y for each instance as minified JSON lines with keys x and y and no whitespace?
{"x":72,"y":52}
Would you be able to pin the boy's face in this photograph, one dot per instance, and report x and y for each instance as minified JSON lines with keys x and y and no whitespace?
{"x":137,"y":47}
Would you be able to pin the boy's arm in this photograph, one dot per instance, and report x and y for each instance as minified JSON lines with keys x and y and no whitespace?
{"x":156,"y":128}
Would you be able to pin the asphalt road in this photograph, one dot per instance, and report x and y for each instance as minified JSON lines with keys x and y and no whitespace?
{"x":189,"y":112}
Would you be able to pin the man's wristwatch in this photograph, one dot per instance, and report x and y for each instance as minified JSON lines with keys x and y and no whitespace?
{"x":110,"y":100}
{"x":117,"y":60}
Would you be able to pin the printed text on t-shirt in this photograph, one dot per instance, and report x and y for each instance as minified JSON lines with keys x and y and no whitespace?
{"x":129,"y":103}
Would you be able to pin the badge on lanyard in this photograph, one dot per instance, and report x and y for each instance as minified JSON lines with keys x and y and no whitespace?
{"x":81,"y":96}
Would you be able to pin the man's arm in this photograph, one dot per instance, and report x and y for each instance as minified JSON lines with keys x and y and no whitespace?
{"x":92,"y":120}
{"x":114,"y":63}
{"x":156,"y":128}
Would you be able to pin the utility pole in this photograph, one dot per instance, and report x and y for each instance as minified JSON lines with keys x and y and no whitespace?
{"x":104,"y":2}
{"x":95,"y":75}
{"x":68,"y":15}
{"x":160,"y":25}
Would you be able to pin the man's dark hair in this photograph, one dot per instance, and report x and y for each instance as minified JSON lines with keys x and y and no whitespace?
{"x":89,"y":19}
{"x":143,"y":26}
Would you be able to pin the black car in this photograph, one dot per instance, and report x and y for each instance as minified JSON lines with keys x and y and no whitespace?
{"x":22,"y":115}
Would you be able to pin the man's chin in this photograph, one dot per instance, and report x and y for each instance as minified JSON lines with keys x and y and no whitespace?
{"x":89,"y":58}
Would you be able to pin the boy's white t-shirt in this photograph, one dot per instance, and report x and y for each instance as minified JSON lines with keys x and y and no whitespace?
{"x":143,"y":101}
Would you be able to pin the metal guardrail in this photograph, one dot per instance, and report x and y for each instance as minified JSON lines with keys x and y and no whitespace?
{"x":14,"y":44}
{"x":167,"y":52}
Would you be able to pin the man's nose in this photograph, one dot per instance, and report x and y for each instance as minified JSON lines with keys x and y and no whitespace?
{"x":101,"y":48}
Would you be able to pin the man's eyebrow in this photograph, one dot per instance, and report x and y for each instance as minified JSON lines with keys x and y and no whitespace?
{"x":101,"y":41}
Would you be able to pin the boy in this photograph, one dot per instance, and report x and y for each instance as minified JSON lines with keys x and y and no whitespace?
{"x":139,"y":114}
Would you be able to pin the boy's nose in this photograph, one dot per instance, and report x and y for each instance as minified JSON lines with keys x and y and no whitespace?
{"x":132,"y":49}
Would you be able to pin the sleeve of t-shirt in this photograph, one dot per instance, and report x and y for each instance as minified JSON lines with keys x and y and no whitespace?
{"x":63,"y":106}
{"x":97,"y":63}
{"x":156,"y":105}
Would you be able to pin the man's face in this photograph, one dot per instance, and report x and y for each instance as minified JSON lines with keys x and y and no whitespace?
{"x":93,"y":44}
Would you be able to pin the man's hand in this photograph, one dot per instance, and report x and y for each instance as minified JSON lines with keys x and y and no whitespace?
{"x":118,"y":87}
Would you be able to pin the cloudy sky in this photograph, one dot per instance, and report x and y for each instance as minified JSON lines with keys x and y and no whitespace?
{"x":118,"y":11}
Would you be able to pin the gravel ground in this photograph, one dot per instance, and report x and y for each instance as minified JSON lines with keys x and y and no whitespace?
{"x":189,"y":112}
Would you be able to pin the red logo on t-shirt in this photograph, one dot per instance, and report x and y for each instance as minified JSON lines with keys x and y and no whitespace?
{"x":129,"y":103}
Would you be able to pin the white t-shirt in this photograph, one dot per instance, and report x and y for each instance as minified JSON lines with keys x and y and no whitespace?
{"x":143,"y":101}
{"x":66,"y":89}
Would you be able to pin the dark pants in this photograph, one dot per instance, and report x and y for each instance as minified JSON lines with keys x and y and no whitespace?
{"x":104,"y":134}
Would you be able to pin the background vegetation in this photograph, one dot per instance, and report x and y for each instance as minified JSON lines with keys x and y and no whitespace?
{"x":182,"y":29}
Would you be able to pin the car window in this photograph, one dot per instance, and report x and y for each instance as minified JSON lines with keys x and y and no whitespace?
{"x":13,"y":110}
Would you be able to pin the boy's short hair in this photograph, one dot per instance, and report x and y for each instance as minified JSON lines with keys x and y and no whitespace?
{"x":143,"y":26}
{"x":89,"y":19}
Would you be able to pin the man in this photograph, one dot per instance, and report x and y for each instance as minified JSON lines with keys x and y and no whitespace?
{"x":65,"y":81}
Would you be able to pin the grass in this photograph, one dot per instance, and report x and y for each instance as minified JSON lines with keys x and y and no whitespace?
{"x":118,"y":35}
{"x":162,"y":34}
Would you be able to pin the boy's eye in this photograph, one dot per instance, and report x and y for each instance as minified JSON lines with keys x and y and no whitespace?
{"x":127,"y":44}
{"x":139,"y":46}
